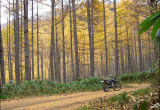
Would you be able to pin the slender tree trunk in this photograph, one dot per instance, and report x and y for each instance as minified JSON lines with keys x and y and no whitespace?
{"x":122,"y":56}
{"x":11,"y":72}
{"x":75,"y":39}
{"x":52,"y":42}
{"x":149,"y":50}
{"x":27,"y":69}
{"x":135,"y":46}
{"x":17,"y":43}
{"x":155,"y":51}
{"x":116,"y":40}
{"x":8,"y":47}
{"x":37,"y":43}
{"x":90,"y":39}
{"x":73,"y":78}
{"x":42,"y":64}
{"x":57,"y":56}
{"x":53,"y":48}
{"x":1,"y":54}
{"x":129,"y":56}
{"x":64,"y":62}
{"x":105,"y":39}
{"x":32,"y":46}
{"x":102,"y":64}
{"x":84,"y":67}
{"x":139,"y":44}
{"x":21,"y":44}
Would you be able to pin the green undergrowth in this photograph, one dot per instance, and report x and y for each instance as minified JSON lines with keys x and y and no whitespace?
{"x":134,"y":77}
{"x":120,"y":99}
{"x":142,"y":92}
{"x":41,"y":87}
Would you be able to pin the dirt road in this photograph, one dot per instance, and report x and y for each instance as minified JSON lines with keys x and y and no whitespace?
{"x":65,"y":101}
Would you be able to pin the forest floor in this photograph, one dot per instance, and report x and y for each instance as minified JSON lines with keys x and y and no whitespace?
{"x":64,"y":101}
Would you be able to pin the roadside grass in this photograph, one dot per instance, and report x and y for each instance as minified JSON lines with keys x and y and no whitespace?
{"x":41,"y":87}
{"x":118,"y":101}
{"x":142,"y":92}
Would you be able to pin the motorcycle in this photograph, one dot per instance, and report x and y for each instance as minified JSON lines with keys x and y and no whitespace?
{"x":111,"y":83}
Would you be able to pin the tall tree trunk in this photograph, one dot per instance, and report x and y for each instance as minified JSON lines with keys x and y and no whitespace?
{"x":58,"y":56}
{"x":75,"y":39}
{"x":8,"y":47}
{"x":10,"y":57}
{"x":27,"y":69}
{"x":37,"y":43}
{"x":71,"y":40}
{"x":17,"y":43}
{"x":64,"y":62}
{"x":105,"y":39}
{"x":155,"y":51}
{"x":129,"y":56}
{"x":32,"y":46}
{"x":139,"y":44}
{"x":21,"y":45}
{"x":122,"y":56}
{"x":42,"y":64}
{"x":135,"y":46}
{"x":52,"y":52}
{"x":52,"y":39}
{"x":1,"y":54}
{"x":116,"y":40}
{"x":90,"y":39}
{"x":149,"y":50}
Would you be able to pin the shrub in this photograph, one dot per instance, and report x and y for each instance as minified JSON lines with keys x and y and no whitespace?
{"x":142,"y":91}
{"x":38,"y":87}
{"x":121,"y":98}
{"x":140,"y":76}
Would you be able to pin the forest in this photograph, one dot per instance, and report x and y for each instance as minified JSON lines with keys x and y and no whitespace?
{"x":76,"y":40}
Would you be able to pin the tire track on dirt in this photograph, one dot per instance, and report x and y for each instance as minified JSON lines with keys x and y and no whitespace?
{"x":64,"y":101}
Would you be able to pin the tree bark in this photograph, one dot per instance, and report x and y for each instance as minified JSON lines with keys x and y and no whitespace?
{"x":37,"y":43}
{"x":122,"y":56}
{"x":64,"y":62}
{"x":58,"y":56}
{"x":21,"y":44}
{"x":75,"y":39}
{"x":10,"y":57}
{"x":90,"y":39}
{"x":149,"y":50}
{"x":1,"y":54}
{"x":135,"y":46}
{"x":42,"y":64}
{"x":52,"y":42}
{"x":17,"y":43}
{"x":139,"y":44}
{"x":129,"y":56}
{"x":32,"y":46}
{"x":73,"y":75}
{"x":116,"y":40}
{"x":27,"y":69}
{"x":105,"y":39}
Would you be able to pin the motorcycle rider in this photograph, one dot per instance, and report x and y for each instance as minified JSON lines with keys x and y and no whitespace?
{"x":110,"y":79}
